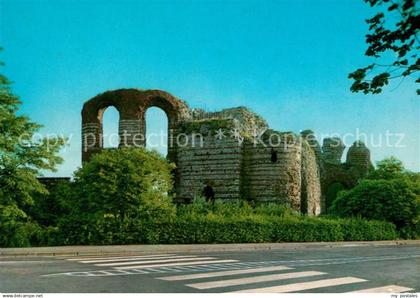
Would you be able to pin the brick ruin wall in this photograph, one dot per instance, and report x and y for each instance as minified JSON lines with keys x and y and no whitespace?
{"x":269,"y":180}
{"x":247,"y":170}
{"x":295,"y":171}
{"x":217,"y":164}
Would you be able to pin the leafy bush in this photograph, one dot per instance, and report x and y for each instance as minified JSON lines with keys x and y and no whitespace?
{"x":236,"y":208}
{"x":124,"y":183}
{"x":201,"y":207}
{"x":16,"y":228}
{"x":213,"y":228}
{"x":49,"y":208}
{"x":272,"y":209}
{"x":91,"y":208}
{"x":357,"y":229}
{"x":111,"y":193}
{"x":389,"y":200}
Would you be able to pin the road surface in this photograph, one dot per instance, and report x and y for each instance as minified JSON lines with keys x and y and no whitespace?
{"x":312,"y":270}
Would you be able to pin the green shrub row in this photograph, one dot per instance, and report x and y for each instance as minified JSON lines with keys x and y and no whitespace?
{"x":206,"y":230}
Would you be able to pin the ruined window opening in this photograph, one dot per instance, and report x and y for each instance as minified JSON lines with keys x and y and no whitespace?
{"x":110,"y":123}
{"x":208,"y":193}
{"x":274,"y":156}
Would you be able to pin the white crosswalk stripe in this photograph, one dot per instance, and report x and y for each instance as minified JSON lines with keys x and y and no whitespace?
{"x":223,"y":273}
{"x":177,"y":264}
{"x":385,"y":289}
{"x":235,"y":273}
{"x":150,"y":262}
{"x":295,"y":287}
{"x":93,"y":259}
{"x":254,"y":279}
{"x":132,"y":259}
{"x":143,"y":262}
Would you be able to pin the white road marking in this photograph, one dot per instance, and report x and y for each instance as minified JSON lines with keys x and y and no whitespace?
{"x":354,"y":259}
{"x":254,"y":279}
{"x":304,"y":285}
{"x":176,"y":264}
{"x":133,"y":259}
{"x":25,"y":262}
{"x":223,"y":273}
{"x":175,"y":259}
{"x":385,"y":289}
{"x":117,"y":257}
{"x":106,"y":273}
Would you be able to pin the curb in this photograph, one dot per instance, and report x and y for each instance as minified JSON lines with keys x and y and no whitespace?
{"x":177,"y":248}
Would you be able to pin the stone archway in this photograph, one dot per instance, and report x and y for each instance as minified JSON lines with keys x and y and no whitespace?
{"x":131,"y":105}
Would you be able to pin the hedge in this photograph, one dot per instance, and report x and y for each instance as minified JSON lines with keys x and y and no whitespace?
{"x":205,"y":230}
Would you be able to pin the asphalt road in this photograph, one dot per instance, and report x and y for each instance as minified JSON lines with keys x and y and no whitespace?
{"x":320,"y":270}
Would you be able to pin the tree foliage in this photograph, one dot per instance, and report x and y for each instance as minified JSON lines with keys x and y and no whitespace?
{"x":22,"y":158}
{"x":390,"y":193}
{"x":390,"y":200}
{"x":393,"y":168}
{"x":388,"y":168}
{"x":113,"y":194}
{"x":125,"y":183}
{"x":392,"y":31}
{"x":49,"y":208}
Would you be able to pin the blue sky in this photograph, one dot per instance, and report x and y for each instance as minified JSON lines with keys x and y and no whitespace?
{"x":286,"y":60}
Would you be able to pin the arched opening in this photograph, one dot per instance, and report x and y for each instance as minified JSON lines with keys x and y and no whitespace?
{"x":110,"y":122}
{"x":157,"y":130}
{"x":332,"y":192}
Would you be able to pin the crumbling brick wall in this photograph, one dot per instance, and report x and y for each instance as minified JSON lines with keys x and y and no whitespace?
{"x":272,"y":169}
{"x":228,"y":153}
{"x":311,"y":184}
{"x":217,"y":164}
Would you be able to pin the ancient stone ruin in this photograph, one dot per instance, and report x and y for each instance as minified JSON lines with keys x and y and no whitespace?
{"x":231,"y":154}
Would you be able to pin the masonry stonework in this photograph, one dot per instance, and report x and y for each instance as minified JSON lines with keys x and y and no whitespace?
{"x":231,"y":154}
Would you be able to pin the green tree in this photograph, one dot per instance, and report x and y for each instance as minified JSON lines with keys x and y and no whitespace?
{"x":125,"y":183}
{"x":15,"y":229}
{"x":115,"y":194}
{"x":22,"y":157}
{"x":49,"y":208}
{"x":393,"y":168}
{"x":392,"y":33}
{"x":388,"y":168}
{"x":392,"y":200}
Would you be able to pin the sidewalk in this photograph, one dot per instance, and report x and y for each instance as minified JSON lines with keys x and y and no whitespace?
{"x":177,"y":248}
